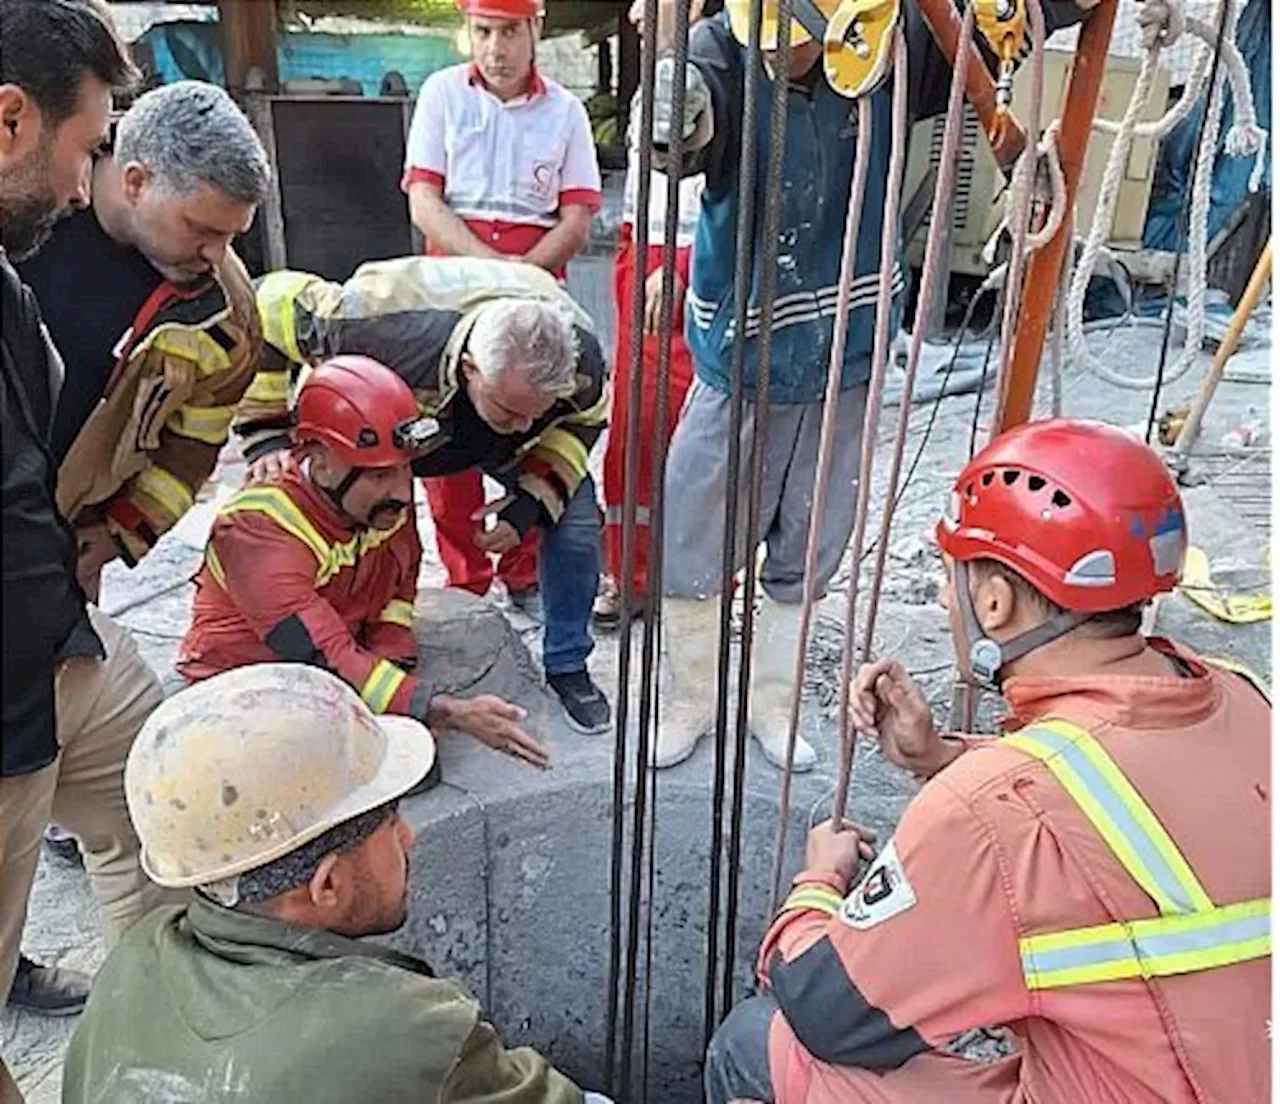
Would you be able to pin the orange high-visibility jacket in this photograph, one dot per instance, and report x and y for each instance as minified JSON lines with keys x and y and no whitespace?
{"x":1008,"y":895}
{"x":285,"y":578}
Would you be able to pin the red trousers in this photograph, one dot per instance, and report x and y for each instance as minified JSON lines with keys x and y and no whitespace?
{"x":615,"y":454}
{"x":453,"y":499}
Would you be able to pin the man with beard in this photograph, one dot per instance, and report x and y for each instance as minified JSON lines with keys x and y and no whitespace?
{"x":161,"y":351}
{"x":273,"y":791}
{"x":321,"y":567}
{"x":75,"y":689}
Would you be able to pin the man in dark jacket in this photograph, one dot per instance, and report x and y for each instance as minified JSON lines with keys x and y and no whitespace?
{"x":75,"y":689}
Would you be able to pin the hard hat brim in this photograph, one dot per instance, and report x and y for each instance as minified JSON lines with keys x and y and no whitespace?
{"x":410,"y":755}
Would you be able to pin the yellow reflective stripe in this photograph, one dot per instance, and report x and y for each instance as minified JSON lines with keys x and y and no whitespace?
{"x":205,"y":423}
{"x":1158,"y":947}
{"x":167,"y":491}
{"x":562,"y":443}
{"x":820,"y":897}
{"x":190,"y":344}
{"x":1225,"y":663}
{"x":1118,"y":812}
{"x":330,"y":559}
{"x":281,"y":509}
{"x":269,"y":387}
{"x":214,"y":565}
{"x":381,"y":685}
{"x":398,"y":612}
{"x":277,"y":295}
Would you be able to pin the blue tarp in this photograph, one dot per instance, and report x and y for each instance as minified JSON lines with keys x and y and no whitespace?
{"x":193,"y":50}
{"x":1176,"y":161}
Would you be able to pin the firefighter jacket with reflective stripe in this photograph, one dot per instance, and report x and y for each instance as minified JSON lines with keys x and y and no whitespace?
{"x":1098,"y":880}
{"x":414,"y":314}
{"x":206,"y":1004}
{"x":154,"y":439}
{"x":285,"y":577}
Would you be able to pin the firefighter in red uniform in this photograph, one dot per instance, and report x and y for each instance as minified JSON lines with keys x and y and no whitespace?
{"x":1097,"y":879}
{"x":321,"y":567}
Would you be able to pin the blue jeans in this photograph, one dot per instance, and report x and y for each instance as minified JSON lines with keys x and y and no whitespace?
{"x":569,"y":572}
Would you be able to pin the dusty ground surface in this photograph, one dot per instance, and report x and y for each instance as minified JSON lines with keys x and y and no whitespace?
{"x":1229,"y":517}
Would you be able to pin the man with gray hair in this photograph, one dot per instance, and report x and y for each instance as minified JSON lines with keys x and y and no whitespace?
{"x":154,"y":316}
{"x":508,"y":367}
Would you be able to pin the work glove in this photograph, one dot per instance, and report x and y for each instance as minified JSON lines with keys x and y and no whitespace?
{"x":697,"y":103}
{"x":1160,"y":21}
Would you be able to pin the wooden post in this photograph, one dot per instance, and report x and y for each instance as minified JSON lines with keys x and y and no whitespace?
{"x":249,"y":42}
{"x":1235,"y":328}
{"x":1018,"y":384}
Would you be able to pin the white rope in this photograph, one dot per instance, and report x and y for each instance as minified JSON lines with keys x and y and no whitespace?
{"x":1050,"y":193}
{"x":1244,"y":138}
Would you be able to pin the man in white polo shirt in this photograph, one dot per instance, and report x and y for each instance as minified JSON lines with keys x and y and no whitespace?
{"x":500,"y":162}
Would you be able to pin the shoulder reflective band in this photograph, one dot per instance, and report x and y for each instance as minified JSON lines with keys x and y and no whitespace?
{"x":1192,"y":934}
{"x":331,"y":558}
{"x":1117,"y":811}
{"x":1158,"y":947}
{"x":381,"y":685}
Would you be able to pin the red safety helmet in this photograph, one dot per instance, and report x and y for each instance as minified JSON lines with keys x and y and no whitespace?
{"x":514,"y":10}
{"x":363,"y":411}
{"x":1087,"y":514}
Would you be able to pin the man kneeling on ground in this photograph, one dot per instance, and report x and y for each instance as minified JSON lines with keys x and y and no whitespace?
{"x":1096,"y":879}
{"x":273,"y":790}
{"x":322,"y":566}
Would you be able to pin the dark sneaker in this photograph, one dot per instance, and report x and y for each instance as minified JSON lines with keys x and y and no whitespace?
{"x":48,"y":990}
{"x":528,"y":602}
{"x":587,"y":708}
{"x":62,"y":845}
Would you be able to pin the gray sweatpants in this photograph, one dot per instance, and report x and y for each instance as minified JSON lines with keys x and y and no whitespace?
{"x":697,"y":469}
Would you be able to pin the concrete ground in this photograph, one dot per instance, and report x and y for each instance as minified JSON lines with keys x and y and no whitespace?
{"x":1229,"y":515}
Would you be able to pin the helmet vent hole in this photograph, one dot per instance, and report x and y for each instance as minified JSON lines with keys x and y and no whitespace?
{"x":968,"y":491}
{"x":1035,"y":482}
{"x":1010,"y":477}
{"x":367,"y":438}
{"x":987,"y":478}
{"x":1061,"y":499}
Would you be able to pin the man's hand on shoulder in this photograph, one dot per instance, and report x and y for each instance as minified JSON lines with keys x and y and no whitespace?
{"x":271,"y":467}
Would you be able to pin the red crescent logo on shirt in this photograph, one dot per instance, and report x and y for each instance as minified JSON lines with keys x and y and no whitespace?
{"x":544,"y":179}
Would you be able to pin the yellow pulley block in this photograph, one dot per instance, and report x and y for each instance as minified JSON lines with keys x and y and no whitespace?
{"x":1003,"y":23}
{"x":857,"y":47}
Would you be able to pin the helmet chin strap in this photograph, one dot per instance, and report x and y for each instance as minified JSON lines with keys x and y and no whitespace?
{"x":338,"y":493}
{"x":988,"y":657}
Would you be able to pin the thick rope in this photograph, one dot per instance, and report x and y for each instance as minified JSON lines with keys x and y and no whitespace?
{"x":1244,"y":138}
{"x":947,"y":165}
{"x":826,"y":446}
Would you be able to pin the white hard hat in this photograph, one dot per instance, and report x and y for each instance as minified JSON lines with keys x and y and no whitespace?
{"x":242,"y":768}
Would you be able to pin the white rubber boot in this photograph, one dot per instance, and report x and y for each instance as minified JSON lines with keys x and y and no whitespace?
{"x":773,"y":660}
{"x":690,"y":629}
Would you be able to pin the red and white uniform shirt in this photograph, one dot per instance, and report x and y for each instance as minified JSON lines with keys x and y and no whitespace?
{"x":506,"y":169}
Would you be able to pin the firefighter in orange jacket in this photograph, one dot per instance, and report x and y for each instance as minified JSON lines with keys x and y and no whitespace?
{"x":321,"y":567}
{"x":1097,"y":879}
